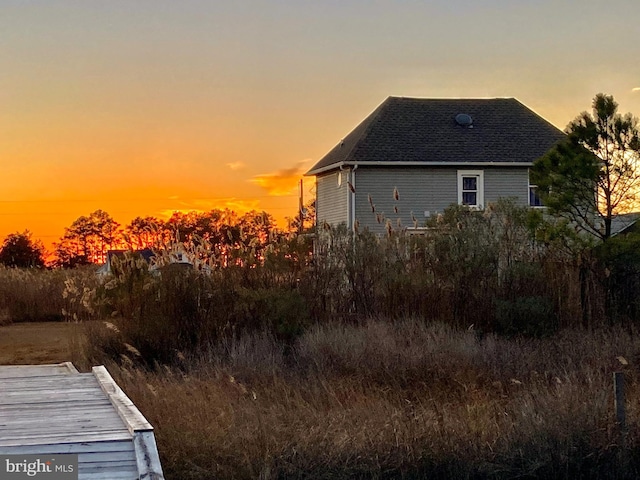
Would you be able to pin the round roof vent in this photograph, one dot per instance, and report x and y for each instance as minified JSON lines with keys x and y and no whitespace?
{"x":464,"y":120}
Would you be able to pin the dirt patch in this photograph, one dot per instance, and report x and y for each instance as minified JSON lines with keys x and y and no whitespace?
{"x":38,"y":343}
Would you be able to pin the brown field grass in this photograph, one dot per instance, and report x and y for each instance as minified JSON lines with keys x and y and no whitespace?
{"x":38,"y":342}
{"x":275,"y":368}
{"x":399,"y":399}
{"x":381,"y":399}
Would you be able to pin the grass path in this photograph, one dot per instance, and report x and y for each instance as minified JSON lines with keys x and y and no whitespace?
{"x":37,"y":343}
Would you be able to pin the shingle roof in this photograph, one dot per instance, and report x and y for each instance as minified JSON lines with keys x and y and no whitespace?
{"x":417,"y":130}
{"x":622,"y":223}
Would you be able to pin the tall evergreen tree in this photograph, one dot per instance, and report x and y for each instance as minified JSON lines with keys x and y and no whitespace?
{"x":594,"y":175}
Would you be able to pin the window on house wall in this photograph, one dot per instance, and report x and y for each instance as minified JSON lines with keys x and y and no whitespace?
{"x":471,"y":188}
{"x":534,"y":198}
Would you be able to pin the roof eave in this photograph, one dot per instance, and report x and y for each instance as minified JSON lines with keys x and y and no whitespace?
{"x":337,"y":165}
{"x":333,"y":166}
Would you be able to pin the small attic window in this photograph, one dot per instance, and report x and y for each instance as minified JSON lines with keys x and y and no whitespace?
{"x":464,"y":120}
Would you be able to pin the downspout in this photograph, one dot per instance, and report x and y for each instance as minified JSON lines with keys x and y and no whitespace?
{"x":351,"y":195}
{"x":342,"y":169}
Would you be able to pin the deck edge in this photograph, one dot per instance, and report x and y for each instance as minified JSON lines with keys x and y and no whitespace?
{"x":128,"y":412}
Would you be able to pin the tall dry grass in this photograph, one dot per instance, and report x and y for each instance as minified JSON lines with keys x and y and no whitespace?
{"x":28,"y":295}
{"x":485,"y":268}
{"x":368,"y":358}
{"x":394,"y":399}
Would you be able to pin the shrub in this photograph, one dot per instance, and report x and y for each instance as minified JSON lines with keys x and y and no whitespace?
{"x":530,"y":316}
{"x":453,"y":272}
{"x":620,"y":261}
{"x":178,"y":310}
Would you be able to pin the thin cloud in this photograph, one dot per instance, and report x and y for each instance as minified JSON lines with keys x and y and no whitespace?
{"x":635,"y":89}
{"x":283,"y":182}
{"x":236,"y":165}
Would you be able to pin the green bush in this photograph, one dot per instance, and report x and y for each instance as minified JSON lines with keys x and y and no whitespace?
{"x":529,"y":316}
{"x":281,"y":311}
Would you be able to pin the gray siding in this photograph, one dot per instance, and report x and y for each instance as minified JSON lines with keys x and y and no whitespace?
{"x":331,"y":203}
{"x":426,"y":191}
{"x":420,"y":190}
{"x":506,"y":183}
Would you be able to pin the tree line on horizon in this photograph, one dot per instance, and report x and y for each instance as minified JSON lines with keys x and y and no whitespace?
{"x":90,"y":237}
{"x":508,"y":268}
{"x":584,"y":182}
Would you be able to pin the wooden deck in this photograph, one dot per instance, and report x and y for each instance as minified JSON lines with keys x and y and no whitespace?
{"x":53,"y":409}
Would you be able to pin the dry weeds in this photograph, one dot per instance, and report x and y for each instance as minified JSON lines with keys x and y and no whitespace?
{"x":395,"y":400}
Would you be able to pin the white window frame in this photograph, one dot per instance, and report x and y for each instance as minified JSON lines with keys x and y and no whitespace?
{"x":532,"y":186}
{"x":479,"y":174}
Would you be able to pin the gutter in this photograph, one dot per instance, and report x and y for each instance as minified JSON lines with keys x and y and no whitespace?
{"x":341,"y":165}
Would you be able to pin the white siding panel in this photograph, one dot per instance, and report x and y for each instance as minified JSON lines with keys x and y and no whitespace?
{"x":331,"y":198}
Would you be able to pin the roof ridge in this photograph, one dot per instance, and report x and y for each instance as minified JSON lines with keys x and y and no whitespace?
{"x":449,"y":98}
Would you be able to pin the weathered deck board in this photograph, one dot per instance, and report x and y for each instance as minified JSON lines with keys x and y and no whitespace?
{"x":125,"y":455}
{"x":14,"y":414}
{"x":103,"y":436}
{"x":79,"y":448}
{"x":56,"y":382}
{"x":23,"y":371}
{"x":53,"y":409}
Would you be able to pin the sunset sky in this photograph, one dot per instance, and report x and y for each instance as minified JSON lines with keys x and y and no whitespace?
{"x":149,"y":106}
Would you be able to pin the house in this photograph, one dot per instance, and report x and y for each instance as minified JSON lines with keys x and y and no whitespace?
{"x":176,"y":257}
{"x":107,"y":267}
{"x":412,"y":157}
{"x":625,"y":224}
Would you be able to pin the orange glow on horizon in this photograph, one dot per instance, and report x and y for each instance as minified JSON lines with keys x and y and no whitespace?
{"x":46,"y":218}
{"x":142,"y":109}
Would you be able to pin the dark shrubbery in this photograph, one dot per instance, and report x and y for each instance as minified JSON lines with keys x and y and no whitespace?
{"x":531,"y":316}
{"x":495,"y":270}
{"x":620,"y":260}
{"x":483,"y":269}
{"x":177,"y":310}
{"x":467,"y":268}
